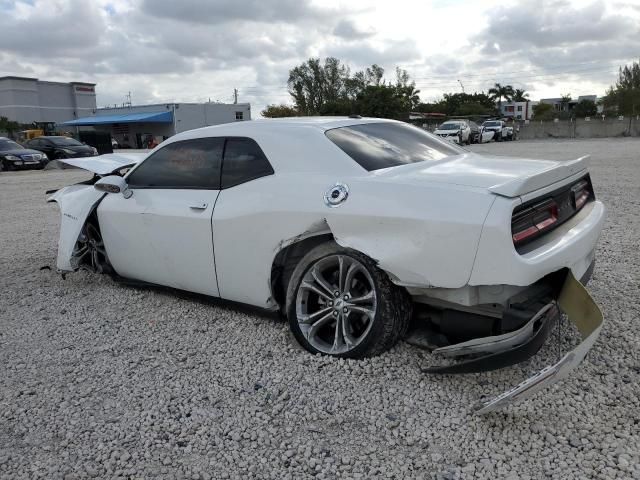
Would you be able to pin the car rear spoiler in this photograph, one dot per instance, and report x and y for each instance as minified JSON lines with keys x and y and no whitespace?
{"x":531,"y":183}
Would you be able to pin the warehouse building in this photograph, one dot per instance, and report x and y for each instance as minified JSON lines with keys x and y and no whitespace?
{"x":138,"y":125}
{"x":28,"y":100}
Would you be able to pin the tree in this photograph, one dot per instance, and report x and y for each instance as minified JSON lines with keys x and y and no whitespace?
{"x":461,"y":104}
{"x":329,"y":89}
{"x":564,"y":101}
{"x":498,"y":92}
{"x":624,"y":96}
{"x":278,"y":111}
{"x":9,"y":126}
{"x":406,"y":90}
{"x":585,"y":108}
{"x":543,"y":111}
{"x":313,"y":84}
{"x":520,"y":95}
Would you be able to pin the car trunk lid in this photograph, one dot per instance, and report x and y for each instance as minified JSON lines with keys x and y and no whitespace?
{"x":506,"y":176}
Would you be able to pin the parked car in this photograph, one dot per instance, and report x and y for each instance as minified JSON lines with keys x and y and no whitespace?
{"x":347,"y":226}
{"x":457,"y":131}
{"x":14,"y":156}
{"x":499,"y":128}
{"x":58,"y":147}
{"x":474,"y":135}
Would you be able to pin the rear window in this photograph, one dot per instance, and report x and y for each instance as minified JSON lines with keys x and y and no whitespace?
{"x":382,"y":145}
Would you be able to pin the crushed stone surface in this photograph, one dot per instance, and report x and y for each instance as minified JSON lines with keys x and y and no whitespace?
{"x":102,"y":380}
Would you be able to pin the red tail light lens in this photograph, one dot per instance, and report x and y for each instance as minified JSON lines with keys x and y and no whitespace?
{"x":580,"y":193}
{"x":531,"y":222}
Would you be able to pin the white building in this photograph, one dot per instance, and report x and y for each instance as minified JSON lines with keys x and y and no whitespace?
{"x":518,"y":110}
{"x":560,"y":105}
{"x":29,"y":100}
{"x":133,"y":126}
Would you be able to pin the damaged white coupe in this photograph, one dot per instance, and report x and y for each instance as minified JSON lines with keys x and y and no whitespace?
{"x":355,"y":229}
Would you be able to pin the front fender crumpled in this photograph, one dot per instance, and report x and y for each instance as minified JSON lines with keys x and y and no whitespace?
{"x":76,"y":203}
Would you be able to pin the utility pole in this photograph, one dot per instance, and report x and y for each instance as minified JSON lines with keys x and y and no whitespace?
{"x":461,"y":85}
{"x":235,"y":95}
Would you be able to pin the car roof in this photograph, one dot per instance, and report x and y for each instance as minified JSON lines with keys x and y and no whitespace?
{"x":266,"y":124}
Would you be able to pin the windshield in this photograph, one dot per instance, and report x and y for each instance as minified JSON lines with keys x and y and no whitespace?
{"x":8,"y":145}
{"x":65,"y":142}
{"x":383,"y":145}
{"x":450,"y":126}
{"x":491,"y":124}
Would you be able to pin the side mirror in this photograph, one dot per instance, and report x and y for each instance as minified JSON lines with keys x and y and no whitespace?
{"x":113,"y":184}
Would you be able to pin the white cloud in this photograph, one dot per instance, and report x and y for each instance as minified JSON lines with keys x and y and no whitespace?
{"x":190,"y":50}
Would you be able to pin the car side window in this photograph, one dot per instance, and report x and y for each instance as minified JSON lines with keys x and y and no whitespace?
{"x":188,"y":164}
{"x":243,"y":161}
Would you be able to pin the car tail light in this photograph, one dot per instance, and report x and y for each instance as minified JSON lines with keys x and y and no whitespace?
{"x":531,"y":222}
{"x":580,"y":193}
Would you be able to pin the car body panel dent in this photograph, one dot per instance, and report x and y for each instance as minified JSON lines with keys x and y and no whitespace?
{"x":76,"y":203}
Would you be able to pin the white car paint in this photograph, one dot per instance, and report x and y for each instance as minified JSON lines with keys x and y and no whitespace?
{"x":446,"y":209}
{"x":454,"y":135}
{"x":436,"y":226}
{"x":162,"y":237}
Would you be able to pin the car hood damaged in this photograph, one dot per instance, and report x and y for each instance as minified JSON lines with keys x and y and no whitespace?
{"x":105,"y":164}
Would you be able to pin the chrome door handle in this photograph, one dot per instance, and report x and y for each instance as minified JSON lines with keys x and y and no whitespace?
{"x":199,"y":206}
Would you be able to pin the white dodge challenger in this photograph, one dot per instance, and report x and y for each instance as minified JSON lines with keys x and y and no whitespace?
{"x":352,"y":227}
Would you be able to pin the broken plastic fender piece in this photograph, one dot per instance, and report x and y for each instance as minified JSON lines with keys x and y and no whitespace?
{"x":583,"y":311}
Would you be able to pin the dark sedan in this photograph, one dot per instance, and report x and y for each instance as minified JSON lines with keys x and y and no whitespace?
{"x":61,"y":147}
{"x":15,"y":157}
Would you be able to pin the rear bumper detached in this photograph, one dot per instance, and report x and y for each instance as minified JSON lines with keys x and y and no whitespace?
{"x":491,"y":353}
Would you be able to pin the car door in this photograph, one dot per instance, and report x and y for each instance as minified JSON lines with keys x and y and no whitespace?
{"x":46,"y":146}
{"x":244,"y":195}
{"x":162,"y":233}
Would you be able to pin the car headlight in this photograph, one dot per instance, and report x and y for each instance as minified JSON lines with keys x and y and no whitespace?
{"x":95,"y":150}
{"x":43,"y":156}
{"x":13,"y":158}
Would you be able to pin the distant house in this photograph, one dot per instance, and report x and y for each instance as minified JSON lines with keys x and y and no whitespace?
{"x":518,"y":110}
{"x":559,"y":106}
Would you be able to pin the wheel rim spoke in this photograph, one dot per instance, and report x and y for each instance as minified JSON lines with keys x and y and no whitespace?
{"x":319,"y":324}
{"x":321,"y":281}
{"x":313,"y":288}
{"x":310,"y":318}
{"x":367,"y":298}
{"x":338,"y":337}
{"x":351,"y":272}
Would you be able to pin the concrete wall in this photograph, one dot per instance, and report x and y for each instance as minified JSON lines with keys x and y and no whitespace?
{"x":27,"y":100}
{"x":596,"y":128}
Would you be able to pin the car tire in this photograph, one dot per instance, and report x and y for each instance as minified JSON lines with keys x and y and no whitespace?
{"x":372,"y":312}
{"x":3,"y":166}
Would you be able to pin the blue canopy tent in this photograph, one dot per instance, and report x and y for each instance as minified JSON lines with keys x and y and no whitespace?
{"x":146,"y":117}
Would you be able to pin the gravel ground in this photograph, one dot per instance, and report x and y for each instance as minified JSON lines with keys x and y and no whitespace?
{"x":102,"y":380}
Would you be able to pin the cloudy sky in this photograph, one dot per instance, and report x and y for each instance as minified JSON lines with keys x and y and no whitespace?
{"x":196,"y":50}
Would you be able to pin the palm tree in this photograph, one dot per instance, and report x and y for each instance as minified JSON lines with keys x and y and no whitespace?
{"x":564,"y":101}
{"x":520,"y":95}
{"x":498,"y":92}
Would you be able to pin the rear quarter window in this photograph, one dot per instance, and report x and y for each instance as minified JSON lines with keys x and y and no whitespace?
{"x":243,"y":161}
{"x":382,"y":145}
